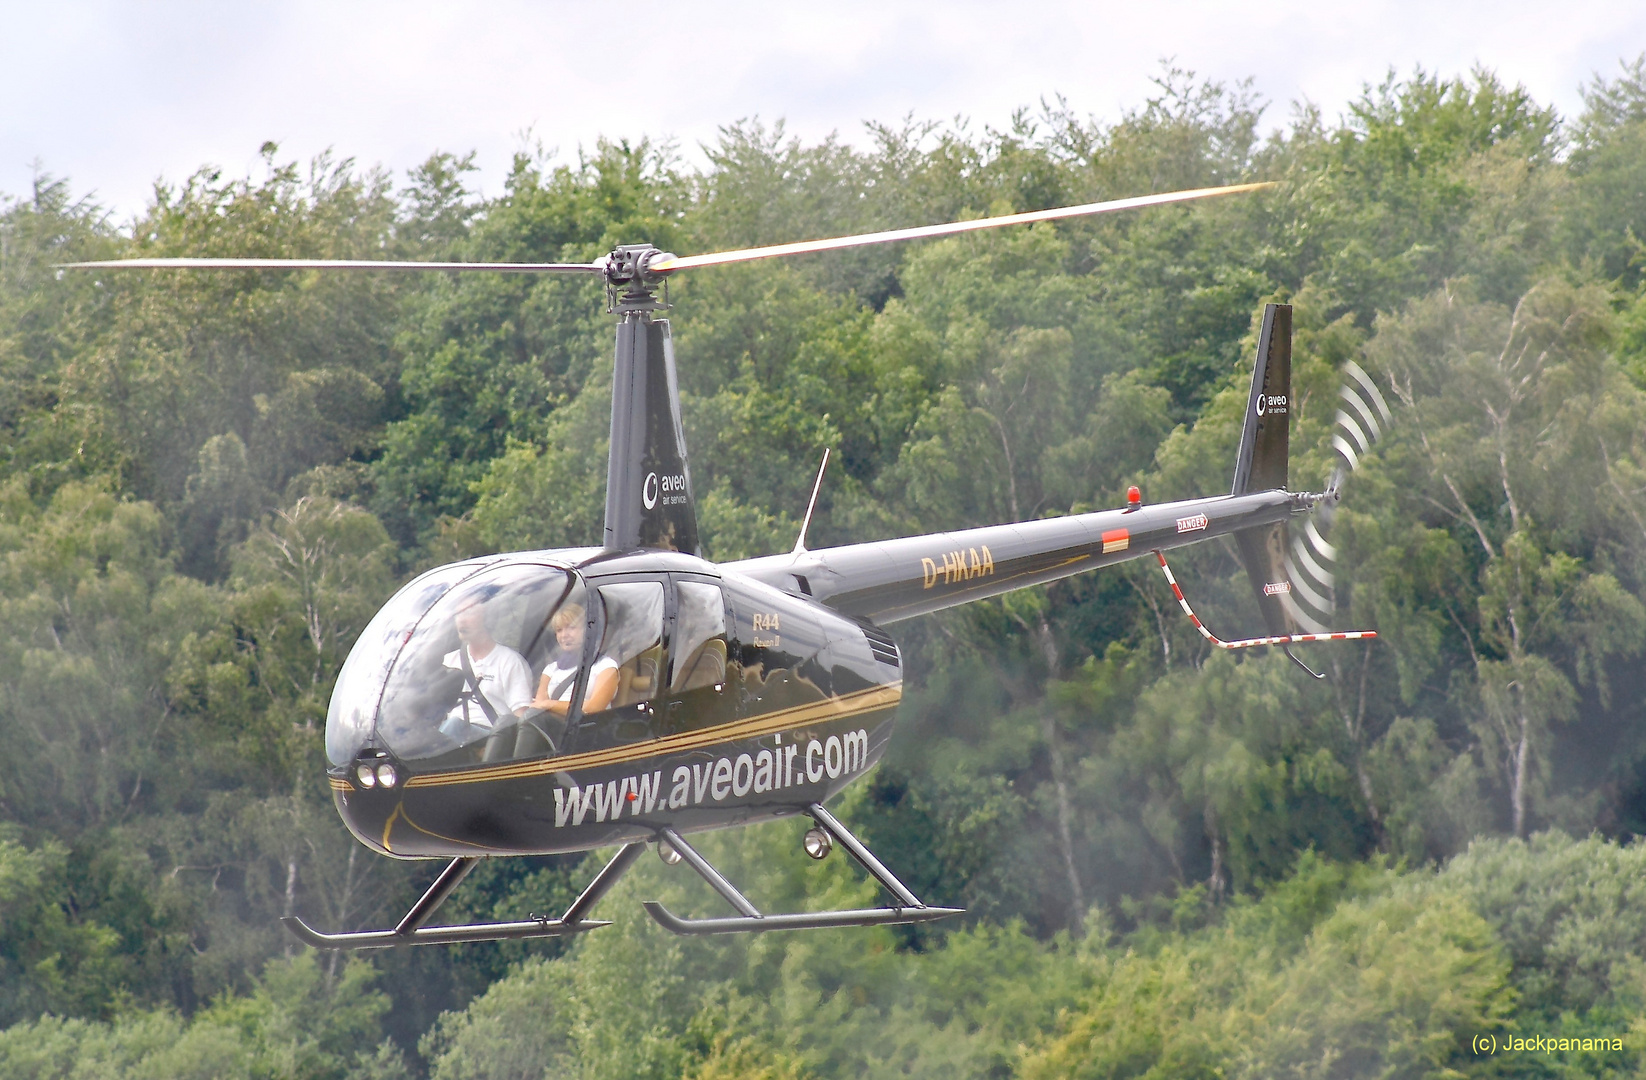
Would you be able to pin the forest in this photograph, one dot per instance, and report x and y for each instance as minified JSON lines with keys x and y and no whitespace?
{"x":1174,"y":863}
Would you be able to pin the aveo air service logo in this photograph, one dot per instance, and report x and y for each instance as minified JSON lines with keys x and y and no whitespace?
{"x":666,"y":489}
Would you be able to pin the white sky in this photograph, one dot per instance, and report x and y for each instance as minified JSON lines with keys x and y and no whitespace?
{"x":114,"y":94}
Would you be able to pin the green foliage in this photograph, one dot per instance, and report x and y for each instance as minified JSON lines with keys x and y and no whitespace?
{"x":1314,"y":980}
{"x":487,"y":358}
{"x":1607,"y":217}
{"x":1566,"y":914}
{"x":51,"y":960}
{"x":633,"y":1001}
{"x":1239,"y":746}
{"x":297,"y":1024}
{"x":94,"y":615}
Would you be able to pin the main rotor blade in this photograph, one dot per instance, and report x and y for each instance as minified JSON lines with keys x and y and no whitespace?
{"x":332,"y":264}
{"x":806,"y":246}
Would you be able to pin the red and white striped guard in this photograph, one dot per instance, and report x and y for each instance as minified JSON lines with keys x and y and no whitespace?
{"x":1247,"y":643}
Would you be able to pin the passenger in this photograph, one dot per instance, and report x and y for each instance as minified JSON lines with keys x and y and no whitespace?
{"x":497,"y":684}
{"x":554,"y":690}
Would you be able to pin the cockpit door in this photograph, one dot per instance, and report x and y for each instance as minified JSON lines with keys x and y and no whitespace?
{"x":701,"y":676}
{"x":623,"y":676}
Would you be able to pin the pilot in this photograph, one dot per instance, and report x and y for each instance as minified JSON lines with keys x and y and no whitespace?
{"x":497,"y":684}
{"x":554,"y":690}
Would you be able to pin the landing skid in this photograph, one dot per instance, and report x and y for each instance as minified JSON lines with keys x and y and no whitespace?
{"x":908,"y":908}
{"x":411,"y":931}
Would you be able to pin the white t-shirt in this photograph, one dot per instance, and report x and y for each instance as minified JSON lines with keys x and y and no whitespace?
{"x":505,"y":679}
{"x":562,"y":675}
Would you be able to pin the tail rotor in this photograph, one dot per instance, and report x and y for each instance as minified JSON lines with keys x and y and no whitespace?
{"x":1292,"y":570}
{"x":1311,"y":561}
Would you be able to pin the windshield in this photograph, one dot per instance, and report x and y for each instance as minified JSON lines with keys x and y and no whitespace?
{"x":487,"y":673}
{"x":360,"y":683}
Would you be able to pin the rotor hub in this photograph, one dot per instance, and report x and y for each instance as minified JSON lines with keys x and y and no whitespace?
{"x":630,"y":282}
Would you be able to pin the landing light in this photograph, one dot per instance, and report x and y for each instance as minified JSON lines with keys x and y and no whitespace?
{"x":817,"y":842}
{"x":363,"y":773}
{"x":386,"y":775}
{"x":667,"y":853}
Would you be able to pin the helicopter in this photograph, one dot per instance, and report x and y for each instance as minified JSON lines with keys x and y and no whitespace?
{"x":634,"y":693}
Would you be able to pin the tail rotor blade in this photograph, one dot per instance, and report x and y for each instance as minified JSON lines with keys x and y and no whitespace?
{"x":721,"y":258}
{"x":1309,"y":624}
{"x":1347,"y":425}
{"x":1358,"y":374}
{"x":1318,"y":542}
{"x":1314,"y":570}
{"x":1353,"y":401}
{"x":1341,"y":445}
{"x":1358,"y":427}
{"x":1354,"y":438}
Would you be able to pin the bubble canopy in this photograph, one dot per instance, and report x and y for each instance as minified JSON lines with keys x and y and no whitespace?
{"x":450,"y":667}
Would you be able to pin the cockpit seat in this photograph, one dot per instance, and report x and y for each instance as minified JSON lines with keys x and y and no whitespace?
{"x":706,"y":666}
{"x":637,"y":679}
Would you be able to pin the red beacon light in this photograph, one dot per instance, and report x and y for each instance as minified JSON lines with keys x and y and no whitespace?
{"x":1134,"y":498}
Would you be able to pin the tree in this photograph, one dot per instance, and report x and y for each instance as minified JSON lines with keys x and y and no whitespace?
{"x":1501,"y":407}
{"x":94,"y":614}
{"x":1606,"y":217}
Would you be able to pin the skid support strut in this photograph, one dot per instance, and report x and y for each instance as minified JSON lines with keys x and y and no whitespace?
{"x":906,"y":909}
{"x":411,"y":931}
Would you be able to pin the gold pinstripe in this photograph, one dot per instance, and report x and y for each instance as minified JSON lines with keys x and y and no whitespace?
{"x":834,"y":708}
{"x":400,"y":812}
{"x":388,"y":826}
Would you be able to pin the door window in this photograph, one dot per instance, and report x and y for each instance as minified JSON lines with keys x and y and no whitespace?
{"x":626,"y":670}
{"x":700,"y":638}
{"x":633,"y":643}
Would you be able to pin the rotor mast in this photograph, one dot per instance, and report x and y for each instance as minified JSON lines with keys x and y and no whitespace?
{"x":649,"y":502}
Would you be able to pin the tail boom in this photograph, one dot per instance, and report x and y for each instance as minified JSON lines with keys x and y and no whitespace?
{"x":887,"y":581}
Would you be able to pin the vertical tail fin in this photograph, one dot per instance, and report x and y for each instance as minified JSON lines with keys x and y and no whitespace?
{"x":1263,"y":464}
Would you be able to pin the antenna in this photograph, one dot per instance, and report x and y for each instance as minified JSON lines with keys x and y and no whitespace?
{"x":800,"y":543}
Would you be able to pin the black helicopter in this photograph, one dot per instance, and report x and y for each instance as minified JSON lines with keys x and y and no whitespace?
{"x":557,"y":701}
